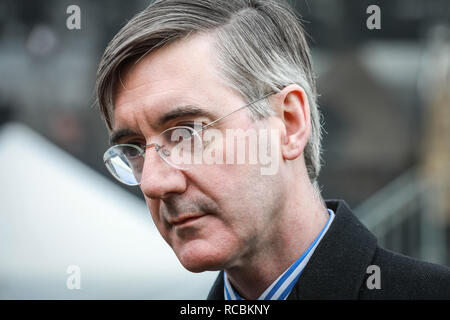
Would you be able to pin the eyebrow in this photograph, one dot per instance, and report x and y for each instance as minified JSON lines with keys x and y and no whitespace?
{"x":178,"y":112}
{"x":117,"y":135}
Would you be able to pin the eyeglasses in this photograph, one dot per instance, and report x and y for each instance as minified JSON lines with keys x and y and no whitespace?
{"x":177,"y":146}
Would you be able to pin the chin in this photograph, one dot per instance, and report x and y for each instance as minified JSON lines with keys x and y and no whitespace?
{"x":199,"y":256}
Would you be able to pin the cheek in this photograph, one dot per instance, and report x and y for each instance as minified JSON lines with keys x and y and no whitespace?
{"x":236,"y":189}
{"x":253,"y":199}
{"x":153,"y":206}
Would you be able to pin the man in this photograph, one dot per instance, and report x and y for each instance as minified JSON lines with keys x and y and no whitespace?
{"x":186,"y":68}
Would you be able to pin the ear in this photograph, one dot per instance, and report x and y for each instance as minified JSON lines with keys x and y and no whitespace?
{"x":295,"y":114}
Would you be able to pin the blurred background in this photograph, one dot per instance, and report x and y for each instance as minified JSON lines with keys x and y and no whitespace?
{"x":385,"y":98}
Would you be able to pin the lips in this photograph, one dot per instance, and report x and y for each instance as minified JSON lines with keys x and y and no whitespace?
{"x":184,"y":219}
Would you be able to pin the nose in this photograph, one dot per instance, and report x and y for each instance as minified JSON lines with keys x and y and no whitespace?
{"x":159,"y":179}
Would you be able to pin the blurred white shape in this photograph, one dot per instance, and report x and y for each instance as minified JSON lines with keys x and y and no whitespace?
{"x":41,"y":41}
{"x":435,"y":64}
{"x":393,"y":63}
{"x":56,"y":212}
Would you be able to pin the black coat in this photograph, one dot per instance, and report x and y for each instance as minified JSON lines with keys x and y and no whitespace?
{"x":338,"y":267}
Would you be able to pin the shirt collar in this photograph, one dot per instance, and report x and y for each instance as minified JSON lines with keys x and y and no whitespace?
{"x":281,"y":287}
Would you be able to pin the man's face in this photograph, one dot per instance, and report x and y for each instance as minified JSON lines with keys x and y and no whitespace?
{"x":232,"y":207}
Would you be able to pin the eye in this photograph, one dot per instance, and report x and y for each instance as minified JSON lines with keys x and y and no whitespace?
{"x":187,"y":124}
{"x":197,"y":125}
{"x":131,"y":152}
{"x":139,"y":144}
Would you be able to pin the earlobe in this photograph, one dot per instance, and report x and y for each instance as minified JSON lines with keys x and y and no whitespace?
{"x":296,"y":119}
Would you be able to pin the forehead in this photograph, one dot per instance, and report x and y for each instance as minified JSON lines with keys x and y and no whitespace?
{"x":175,"y":62}
{"x":183,"y":72}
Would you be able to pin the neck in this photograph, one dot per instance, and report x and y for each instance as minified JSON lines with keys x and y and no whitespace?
{"x":299,"y":222}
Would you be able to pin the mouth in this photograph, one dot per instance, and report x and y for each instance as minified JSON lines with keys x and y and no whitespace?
{"x":186,"y":219}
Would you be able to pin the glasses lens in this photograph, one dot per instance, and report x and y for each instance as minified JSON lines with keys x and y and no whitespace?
{"x":125,"y":163}
{"x":181,"y":147}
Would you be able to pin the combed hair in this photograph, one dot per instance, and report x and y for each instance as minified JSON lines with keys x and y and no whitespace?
{"x":260,"y":46}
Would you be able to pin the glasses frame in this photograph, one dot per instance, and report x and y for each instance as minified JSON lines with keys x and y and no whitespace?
{"x":159,"y":147}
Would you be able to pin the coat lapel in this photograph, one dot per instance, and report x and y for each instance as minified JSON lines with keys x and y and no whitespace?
{"x":337,"y":268}
{"x":216,"y":292}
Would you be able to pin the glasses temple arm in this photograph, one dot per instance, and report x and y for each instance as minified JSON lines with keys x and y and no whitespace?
{"x":248,"y":104}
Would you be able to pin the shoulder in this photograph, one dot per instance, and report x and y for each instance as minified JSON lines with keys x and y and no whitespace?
{"x":403,"y":277}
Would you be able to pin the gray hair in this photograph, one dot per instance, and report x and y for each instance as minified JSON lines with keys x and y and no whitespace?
{"x":260,"y":47}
